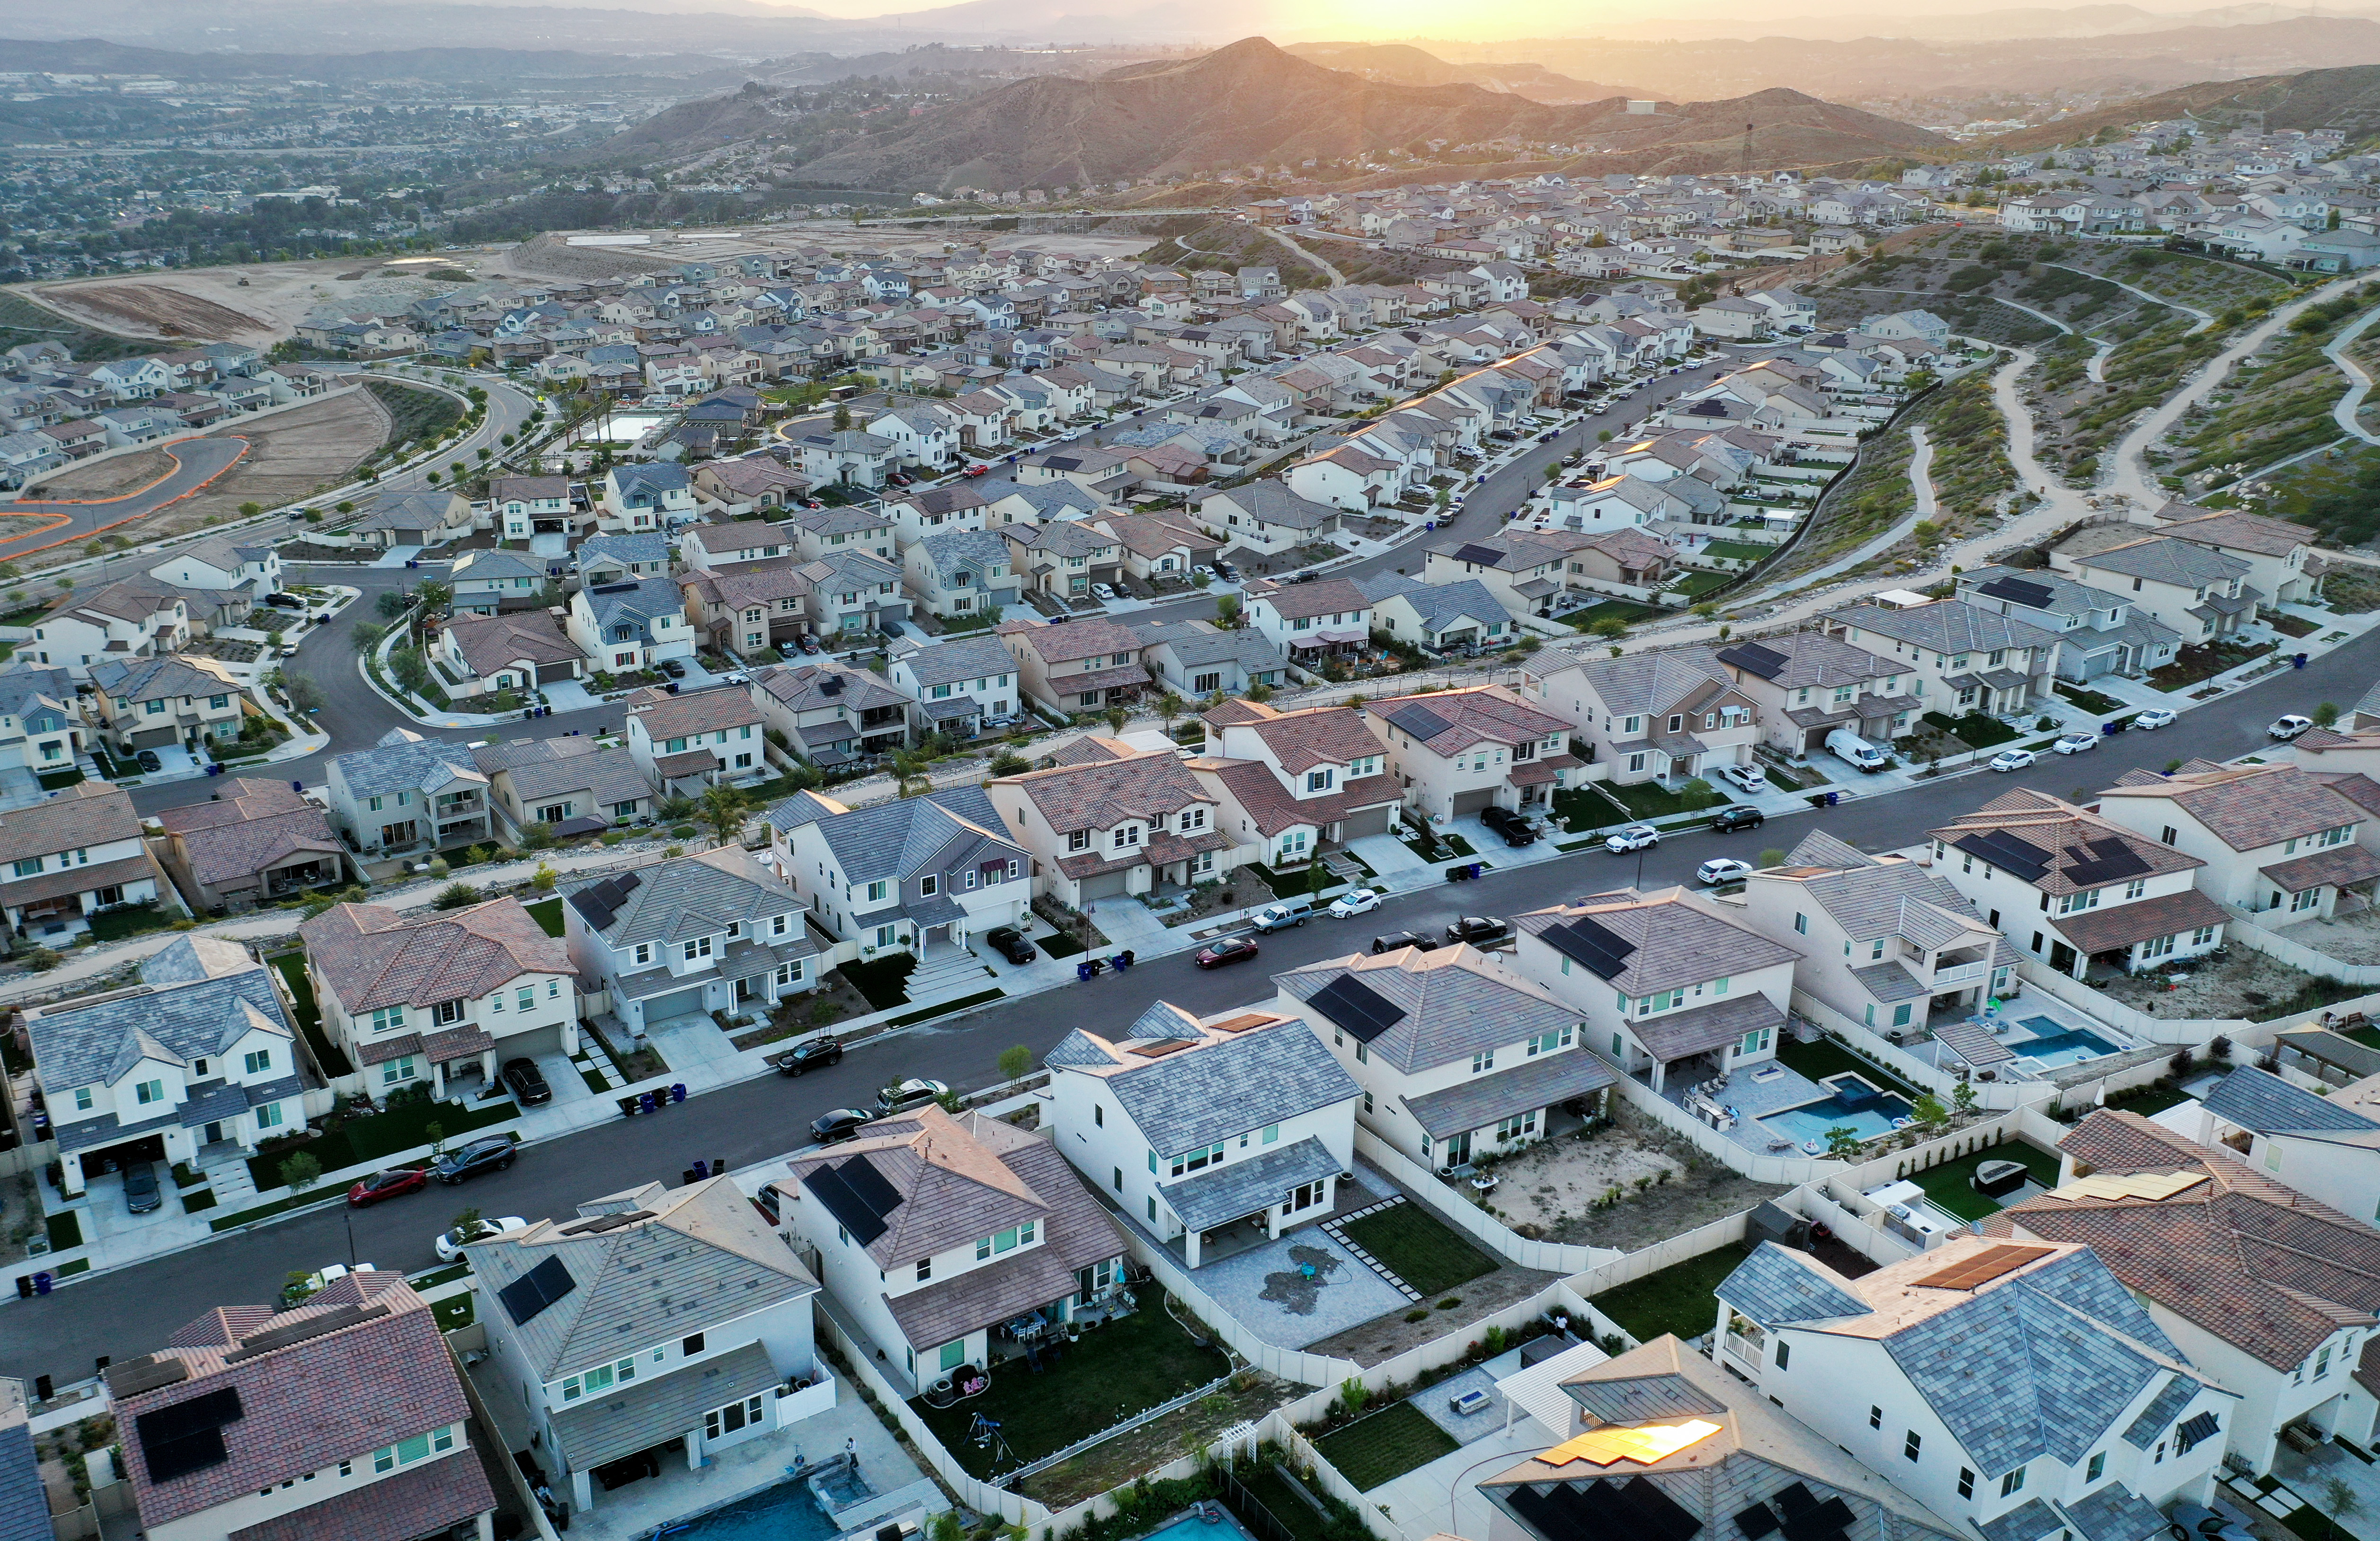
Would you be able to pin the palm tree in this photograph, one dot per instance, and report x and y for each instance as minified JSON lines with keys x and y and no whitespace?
{"x":909,"y":776}
{"x":723,"y":809}
{"x":1117,"y":717}
{"x":1169,"y":706}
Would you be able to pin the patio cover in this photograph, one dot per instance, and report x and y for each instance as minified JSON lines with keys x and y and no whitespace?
{"x":1224,"y":1194}
{"x":433,"y":1497}
{"x":1973,"y":1042}
{"x":1706,"y":1027}
{"x":1536,"y":1389}
{"x":2336,"y":867}
{"x":624,"y":1421}
{"x":1538,"y":1083}
{"x":1030,"y":1278}
{"x":2107,"y":930}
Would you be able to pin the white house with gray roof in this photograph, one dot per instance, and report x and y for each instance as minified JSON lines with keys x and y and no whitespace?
{"x":42,"y":726}
{"x":960,"y":573}
{"x":1673,"y":715}
{"x":602,"y":559}
{"x":956,"y":684}
{"x":196,"y":1063}
{"x":1267,"y":516}
{"x":713,"y":932}
{"x":643,"y":497}
{"x":1440,"y":616}
{"x":2326,"y":1145}
{"x":1963,"y":657}
{"x":1214,"y":1136}
{"x":915,"y":874}
{"x":2198,"y":592}
{"x":487,"y":581}
{"x":629,"y":627}
{"x":653,"y":1316}
{"x":1195,"y":660}
{"x":2019,"y":1388}
{"x":2099,"y":632}
{"x":407,"y":792}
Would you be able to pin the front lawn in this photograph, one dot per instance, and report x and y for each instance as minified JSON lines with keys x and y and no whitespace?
{"x":1582,"y":808}
{"x":1652,"y":800}
{"x":1419,"y":1247}
{"x":1385,"y":1446}
{"x":361,"y":1141}
{"x":1681,"y":1298}
{"x":2090,"y":701}
{"x":1951,"y":1186}
{"x":1976,"y":730}
{"x":1297,"y":885}
{"x":1118,"y":1368}
{"x":2192,"y":664}
{"x":882,"y":980}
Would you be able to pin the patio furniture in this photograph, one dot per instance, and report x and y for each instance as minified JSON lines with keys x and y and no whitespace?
{"x":1485,"y":1181}
{"x":968,"y":1381}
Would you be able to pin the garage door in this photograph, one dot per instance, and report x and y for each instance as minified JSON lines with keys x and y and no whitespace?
{"x":1107,"y":885}
{"x":541,"y":1040}
{"x":1371,"y":821}
{"x":685,"y":1002}
{"x":154,"y":739}
{"x":1471,"y":802}
{"x":547,"y":671}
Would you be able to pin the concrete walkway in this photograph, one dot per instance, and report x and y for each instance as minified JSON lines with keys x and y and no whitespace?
{"x":2204,"y":320}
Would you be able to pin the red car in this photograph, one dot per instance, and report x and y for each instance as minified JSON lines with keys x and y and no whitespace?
{"x":977,"y":469}
{"x":1230,"y":950}
{"x":387,"y":1184}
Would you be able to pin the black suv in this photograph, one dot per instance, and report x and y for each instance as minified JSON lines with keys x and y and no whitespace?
{"x":1479,"y":930}
{"x":1395,"y":939}
{"x":1743,"y":816}
{"x":526,"y":1082}
{"x":1010,"y":943}
{"x":491,"y":1152}
{"x":813,"y":1055}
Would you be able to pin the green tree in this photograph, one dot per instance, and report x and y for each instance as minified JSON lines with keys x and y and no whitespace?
{"x":304,"y":695}
{"x":1928,"y":1110}
{"x":455,"y":896}
{"x":1609,"y":625}
{"x":1772,"y":858}
{"x":2325,"y":714}
{"x":909,"y":773}
{"x":842,"y":418}
{"x":1963,"y":1098}
{"x":1008,"y":762}
{"x":435,"y":596}
{"x":1843,"y":1143}
{"x":1016,"y":1063}
{"x":1169,"y":706}
{"x":301,"y":1170}
{"x":250,"y":510}
{"x":1117,"y":716}
{"x":723,"y":810}
{"x":392,"y":604}
{"x":1227,"y":611}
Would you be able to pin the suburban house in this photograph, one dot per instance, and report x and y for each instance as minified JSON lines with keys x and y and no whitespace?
{"x":831,"y":714}
{"x":2199,"y":592}
{"x":1118,"y":824}
{"x":572,"y":785}
{"x":2268,"y":1290}
{"x":487,"y":581}
{"x":40,"y":717}
{"x":644,"y":495}
{"x":237,"y":575}
{"x":2326,"y":1144}
{"x":1455,"y":752}
{"x":1292,"y":783}
{"x":476,"y":655}
{"x":968,"y":1225}
{"x":166,"y":703}
{"x":1805,"y":685}
{"x":2272,"y":837}
{"x":2018,"y":1388}
{"x":1886,"y":943}
{"x":447,"y":997}
{"x":711,"y":547}
{"x":1062,"y":559}
{"x":630,"y":626}
{"x":753,"y":612}
{"x":2280,"y":557}
{"x":1961,"y":658}
{"x":253,"y":843}
{"x":1423,"y":1033}
{"x":424,"y":516}
{"x":1661,"y":1441}
{"x":1085,"y":664}
{"x":196,"y":1062}
{"x":2099,"y":632}
{"x":961,"y":573}
{"x":521,"y":506}
{"x":609,"y":1367}
{"x":69,"y":856}
{"x":1306,"y":622}
{"x":344,"y":1414}
{"x":911,"y":874}
{"x":609,"y":559}
{"x":1196,"y":659}
{"x":713,"y":932}
{"x":702,"y":738}
{"x":2072,"y":888}
{"x":956,"y":684}
{"x":1267,"y":518}
{"x":1442,"y":617}
{"x":133,"y":618}
{"x":408,"y":791}
{"x":1671,"y":716}
{"x":1192,"y":1129}
{"x":852,"y":593}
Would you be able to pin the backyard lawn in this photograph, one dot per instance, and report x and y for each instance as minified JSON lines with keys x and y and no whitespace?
{"x":1817,"y":1061}
{"x":1118,"y":1368}
{"x":1419,"y":1247}
{"x":1681,"y":1298}
{"x":1949,"y":1185}
{"x":329,"y":1056}
{"x":1385,"y":1446}
{"x":549,"y":914}
{"x":1622,"y":609}
{"x":1293,"y":1514}
{"x":129,"y":920}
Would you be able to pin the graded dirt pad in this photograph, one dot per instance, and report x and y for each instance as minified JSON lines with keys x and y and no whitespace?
{"x":257,"y":303}
{"x":162,"y":308}
{"x":2230,"y":982}
{"x":1558,"y":1183}
{"x":1386,"y":1336}
{"x":118,"y":477}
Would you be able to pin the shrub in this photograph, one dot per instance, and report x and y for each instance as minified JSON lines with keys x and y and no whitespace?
{"x":301,"y":1171}
{"x":455,"y":896}
{"x":41,"y":960}
{"x":682,"y":831}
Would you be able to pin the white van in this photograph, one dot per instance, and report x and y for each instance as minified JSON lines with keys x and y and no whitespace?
{"x":1850,"y":749}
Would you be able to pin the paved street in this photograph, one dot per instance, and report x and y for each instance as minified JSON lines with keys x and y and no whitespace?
{"x":196,"y":463}
{"x":131,"y":1310}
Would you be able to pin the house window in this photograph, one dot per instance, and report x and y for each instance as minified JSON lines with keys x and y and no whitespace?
{"x":1910,"y":1446}
{"x":1801,"y":924}
{"x":29,"y":867}
{"x":1078,"y":840}
{"x":149,"y":1091}
{"x":928,"y":885}
{"x":268,"y":1115}
{"x":2097,"y":1467}
{"x":1966,"y":1483}
{"x":388,"y":1019}
{"x":446,"y":1013}
{"x":644,"y":952}
{"x":1485,"y":1061}
{"x":1876,"y":1417}
{"x":699,"y":947}
{"x":721,"y":1422}
{"x":82,"y":1100}
{"x":1517,"y":1127}
{"x":2013,"y":1481}
{"x":397,"y":1071}
{"x":258,"y":1059}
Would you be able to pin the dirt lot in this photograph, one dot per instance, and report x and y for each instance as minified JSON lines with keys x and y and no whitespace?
{"x":260,"y":303}
{"x":1666,"y":1188}
{"x":109,"y":478}
{"x":1154,"y":1443}
{"x":2233,"y":982}
{"x":2349,"y":938}
{"x":160,"y":308}
{"x":1385,"y":1337}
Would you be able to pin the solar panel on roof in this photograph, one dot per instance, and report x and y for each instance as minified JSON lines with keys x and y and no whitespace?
{"x":2103,"y":861}
{"x":188,"y":1436}
{"x":1357,"y":1007}
{"x":1824,"y":1521}
{"x":1755,"y":1521}
{"x":826,"y":1184}
{"x":1487,"y":556}
{"x":145,"y":1374}
{"x":2004,"y":851}
{"x":1767,"y":662}
{"x":859,"y":1174}
{"x":2024,"y":591}
{"x":1418,"y":720}
{"x":600,"y":902}
{"x":1982,"y":1267}
{"x":1589,"y":941}
{"x":525,"y":1297}
{"x":300,"y":1331}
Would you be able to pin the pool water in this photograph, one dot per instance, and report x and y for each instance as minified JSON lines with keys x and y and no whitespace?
{"x":1856,"y":1105}
{"x":1225,"y":1527}
{"x":2055,"y":1044}
{"x":785,"y":1512}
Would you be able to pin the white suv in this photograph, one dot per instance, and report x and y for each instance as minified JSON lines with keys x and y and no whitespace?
{"x":1752,"y":778}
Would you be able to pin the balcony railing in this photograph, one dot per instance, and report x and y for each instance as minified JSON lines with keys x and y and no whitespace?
{"x":1959,"y":974}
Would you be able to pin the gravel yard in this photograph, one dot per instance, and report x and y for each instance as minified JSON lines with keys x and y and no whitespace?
{"x":2233,"y":982}
{"x":2353,"y":939}
{"x":1553,"y":1189}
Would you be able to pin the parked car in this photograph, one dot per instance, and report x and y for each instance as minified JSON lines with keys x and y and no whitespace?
{"x":1226,"y":949}
{"x":2014,"y":759}
{"x":914,"y":1092}
{"x":2289,"y":726}
{"x":2155,"y":717}
{"x":1515,"y":827}
{"x":2075,"y":743}
{"x":147,"y":760}
{"x":897,"y":478}
{"x":528,"y":1082}
{"x":1479,"y":930}
{"x":1752,"y":778}
{"x":810,"y":643}
{"x":387,"y":1184}
{"x":1635,"y":837}
{"x":490,"y":1153}
{"x":813,"y":1055}
{"x":1102,"y":592}
{"x":1361,"y":901}
{"x":1280,"y":917}
{"x":673,"y":668}
{"x":141,"y":1193}
{"x":1395,"y":939}
{"x":1723,"y":869}
{"x":1230,"y":571}
{"x":1742,"y":815}
{"x":839,"y":1123}
{"x":451,"y":1240}
{"x":1010,"y":943}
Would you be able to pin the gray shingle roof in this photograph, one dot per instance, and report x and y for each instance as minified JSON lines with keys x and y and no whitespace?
{"x":615,"y":605}
{"x":2256,"y":1100}
{"x":945,"y":832}
{"x":693,"y":896}
{"x":977,"y":658}
{"x":1438,"y":605}
{"x":2160,"y":1413}
{"x":80,"y":1045}
{"x":404,"y":761}
{"x":958,"y":551}
{"x":1455,"y":1003}
{"x":2163,"y":559}
{"x":1544,"y":1082}
{"x":626,"y":1420}
{"x":1680,"y":938}
{"x":1192,"y":1099}
{"x":2115,"y":1512}
{"x":1945,"y":626}
{"x":1221,"y":1194}
{"x":626,"y":549}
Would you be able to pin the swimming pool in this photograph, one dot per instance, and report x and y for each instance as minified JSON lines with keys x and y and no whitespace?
{"x":1188,"y":1527}
{"x":2054,"y":1043}
{"x":785,"y":1512}
{"x":1856,"y":1105}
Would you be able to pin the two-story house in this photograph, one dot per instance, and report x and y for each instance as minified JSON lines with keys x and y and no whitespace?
{"x":237,"y":575}
{"x":1455,"y":1056}
{"x":644,"y":495}
{"x":1211,"y":1135}
{"x":1082,"y":664}
{"x":2279,"y":554}
{"x":2198,"y":592}
{"x":819,"y":532}
{"x":170,"y":702}
{"x":64,"y":859}
{"x":1267,"y":518}
{"x":712,"y":547}
{"x":1461,"y":616}
{"x":755,"y":612}
{"x":2325,"y":1143}
{"x":831,"y":714}
{"x":1200,"y":662}
{"x":447,"y":997}
{"x":195,"y":1063}
{"x":132,"y":618}
{"x":1805,"y":684}
{"x":961,"y":574}
{"x":342,"y":1415}
{"x":713,"y":932}
{"x":913,"y":874}
{"x":1309,"y":622}
{"x":851,"y":594}
{"x":1961,"y":658}
{"x":1455,"y":752}
{"x":608,"y":559}
{"x":521,"y":506}
{"x":2099,"y":632}
{"x":571,"y":784}
{"x":407,"y":791}
{"x":701,"y":738}
{"x":1292,"y":783}
{"x":1116,"y":821}
{"x":2070,"y":887}
{"x":1885,"y":941}
{"x":958,"y":684}
{"x":1062,"y":558}
{"x":42,"y":723}
{"x":487,"y":655}
{"x":485,"y":582}
{"x":2019,"y":1388}
{"x":1673,"y":716}
{"x":630,"y":626}
{"x":935,"y":1232}
{"x":611,"y":1366}
{"x":254,"y":841}
{"x":2272,"y":1293}
{"x":2272,"y":837}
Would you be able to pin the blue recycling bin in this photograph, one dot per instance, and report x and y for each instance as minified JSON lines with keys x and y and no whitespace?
{"x":644,"y":1102}
{"x":677,"y":1092}
{"x":1833,"y":797}
{"x":2299,"y":662}
{"x":1083,"y":970}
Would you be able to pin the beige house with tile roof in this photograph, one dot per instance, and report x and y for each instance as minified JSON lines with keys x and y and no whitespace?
{"x":2272,"y":837}
{"x":2280,"y":555}
{"x":1082,"y":665}
{"x":438,"y":997}
{"x":1295,"y":783}
{"x":1307,"y":622}
{"x":256,"y":840}
{"x":937,"y":1232}
{"x":1806,"y":685}
{"x":482,"y":654}
{"x":1670,"y":716}
{"x":698,"y":739}
{"x":1455,"y":752}
{"x":1116,"y":821}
